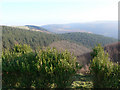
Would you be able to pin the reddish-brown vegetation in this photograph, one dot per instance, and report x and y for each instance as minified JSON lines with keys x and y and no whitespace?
{"x":114,"y":51}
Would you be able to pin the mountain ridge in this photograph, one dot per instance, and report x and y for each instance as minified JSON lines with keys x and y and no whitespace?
{"x":106,"y":28}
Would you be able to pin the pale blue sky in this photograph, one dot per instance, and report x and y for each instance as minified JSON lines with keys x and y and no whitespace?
{"x":40,"y":12}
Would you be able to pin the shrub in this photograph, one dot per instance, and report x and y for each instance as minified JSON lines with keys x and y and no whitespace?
{"x":105,"y":73}
{"x":17,"y":67}
{"x":60,"y":67}
{"x":44,"y":68}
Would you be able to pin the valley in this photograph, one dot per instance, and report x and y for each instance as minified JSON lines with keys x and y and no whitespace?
{"x":78,"y":43}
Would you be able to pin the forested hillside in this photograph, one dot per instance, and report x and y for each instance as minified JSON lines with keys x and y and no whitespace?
{"x":87,"y":39}
{"x":12,"y":35}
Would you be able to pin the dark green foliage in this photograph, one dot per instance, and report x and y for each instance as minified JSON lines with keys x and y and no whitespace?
{"x":105,"y":73}
{"x":22,"y":49}
{"x":16,"y":68}
{"x":87,"y":39}
{"x":23,"y":68}
{"x":12,"y":36}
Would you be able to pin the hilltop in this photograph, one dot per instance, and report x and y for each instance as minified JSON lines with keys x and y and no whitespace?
{"x":32,"y":28}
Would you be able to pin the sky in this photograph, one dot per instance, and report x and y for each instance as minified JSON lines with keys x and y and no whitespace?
{"x":42,"y":12}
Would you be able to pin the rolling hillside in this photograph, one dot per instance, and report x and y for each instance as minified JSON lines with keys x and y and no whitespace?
{"x":35,"y":27}
{"x":12,"y":35}
{"x":87,"y":39}
{"x":79,"y":51}
{"x":32,"y":28}
{"x":71,"y":47}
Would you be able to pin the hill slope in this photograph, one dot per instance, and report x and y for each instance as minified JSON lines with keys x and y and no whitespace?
{"x":114,"y":51}
{"x":12,"y":35}
{"x":71,"y":47}
{"x":77,"y":50}
{"x":32,"y":28}
{"x":87,"y":39}
{"x":35,"y":27}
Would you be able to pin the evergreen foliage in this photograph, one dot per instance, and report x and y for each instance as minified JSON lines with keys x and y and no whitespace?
{"x":12,"y":36}
{"x":105,"y":73}
{"x":87,"y":39}
{"x":23,"y":68}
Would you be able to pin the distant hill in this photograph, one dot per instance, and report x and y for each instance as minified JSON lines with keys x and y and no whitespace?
{"x":106,"y":28}
{"x":32,"y":28}
{"x":35,"y":27}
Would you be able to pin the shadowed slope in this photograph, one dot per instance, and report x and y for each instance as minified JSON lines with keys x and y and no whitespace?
{"x":114,"y":51}
{"x":82,"y":53}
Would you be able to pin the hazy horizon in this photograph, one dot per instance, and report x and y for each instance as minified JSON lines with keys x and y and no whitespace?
{"x":62,"y":23}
